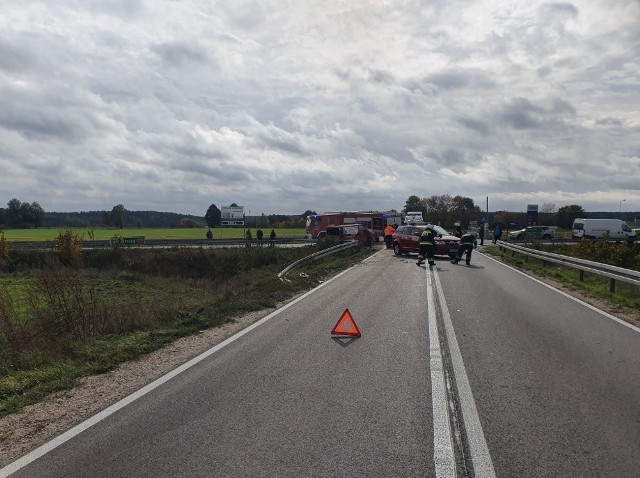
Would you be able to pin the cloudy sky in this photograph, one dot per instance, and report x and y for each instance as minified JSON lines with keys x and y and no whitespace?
{"x":288,"y":105}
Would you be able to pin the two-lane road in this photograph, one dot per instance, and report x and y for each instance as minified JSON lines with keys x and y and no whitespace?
{"x":553,"y":384}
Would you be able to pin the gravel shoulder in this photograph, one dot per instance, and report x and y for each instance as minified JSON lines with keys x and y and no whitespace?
{"x":36,"y":424}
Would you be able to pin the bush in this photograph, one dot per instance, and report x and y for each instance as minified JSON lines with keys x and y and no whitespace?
{"x":4,"y":247}
{"x":603,"y":250}
{"x":69,"y":248}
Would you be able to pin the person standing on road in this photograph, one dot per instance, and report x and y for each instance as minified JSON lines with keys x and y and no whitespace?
{"x":497,"y":233}
{"x":272,"y":236}
{"x":481,"y":233}
{"x":248,"y":237}
{"x":259,"y":235}
{"x":427,"y":246}
{"x":466,"y":246}
{"x":388,"y":232}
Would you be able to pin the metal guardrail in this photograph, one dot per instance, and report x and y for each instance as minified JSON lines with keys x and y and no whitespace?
{"x":317,"y":255}
{"x":582,"y":265}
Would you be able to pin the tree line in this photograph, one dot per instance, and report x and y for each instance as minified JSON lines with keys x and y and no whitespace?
{"x":447,"y":210}
{"x":443,"y":209}
{"x":24,"y":215}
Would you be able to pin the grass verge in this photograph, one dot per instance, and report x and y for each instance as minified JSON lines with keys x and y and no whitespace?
{"x":122,"y":313}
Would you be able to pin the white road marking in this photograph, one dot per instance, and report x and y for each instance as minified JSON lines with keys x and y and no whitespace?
{"x":443,"y":454}
{"x":478,"y":449}
{"x":76,"y":430}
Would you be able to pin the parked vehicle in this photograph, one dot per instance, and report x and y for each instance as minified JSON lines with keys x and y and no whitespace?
{"x":413,"y":218}
{"x":533,"y":232}
{"x":351,"y":232}
{"x":615,"y":229}
{"x":406,"y":239}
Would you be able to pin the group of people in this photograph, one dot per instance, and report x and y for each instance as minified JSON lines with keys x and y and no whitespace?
{"x":248,"y":236}
{"x":259,"y":236}
{"x":468,"y":242}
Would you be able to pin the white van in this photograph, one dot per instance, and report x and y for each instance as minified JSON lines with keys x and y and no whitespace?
{"x":617,"y":229}
{"x":413,"y":217}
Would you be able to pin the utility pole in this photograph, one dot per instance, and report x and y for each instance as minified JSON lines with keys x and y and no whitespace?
{"x":487,"y":218}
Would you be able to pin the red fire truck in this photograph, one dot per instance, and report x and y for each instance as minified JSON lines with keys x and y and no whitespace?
{"x":317,"y":223}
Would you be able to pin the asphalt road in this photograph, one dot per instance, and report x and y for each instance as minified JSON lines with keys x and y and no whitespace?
{"x":458,"y":370}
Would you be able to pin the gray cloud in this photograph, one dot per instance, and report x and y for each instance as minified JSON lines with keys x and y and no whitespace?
{"x":287,"y":107}
{"x":178,"y":54}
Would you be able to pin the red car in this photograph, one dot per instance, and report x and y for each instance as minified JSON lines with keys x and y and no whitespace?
{"x":406,"y":239}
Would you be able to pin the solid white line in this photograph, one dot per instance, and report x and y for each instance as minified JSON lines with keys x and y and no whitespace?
{"x":443,"y":454}
{"x":76,"y":430}
{"x":480,"y":457}
{"x":589,"y":306}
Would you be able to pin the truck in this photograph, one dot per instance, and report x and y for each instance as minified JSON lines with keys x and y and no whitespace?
{"x":615,"y":229}
{"x":414,"y":218}
{"x":316,"y":224}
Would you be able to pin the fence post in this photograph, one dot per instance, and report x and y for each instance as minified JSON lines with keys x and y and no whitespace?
{"x":612,"y":285}
{"x":581,"y":275}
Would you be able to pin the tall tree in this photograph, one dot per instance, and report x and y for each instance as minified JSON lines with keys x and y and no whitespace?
{"x":566,"y":215}
{"x":117,"y":216}
{"x":13,"y":213}
{"x":439,"y":210}
{"x":213,"y":216}
{"x":37,"y":214}
{"x":413,"y":204}
{"x":465,"y":210}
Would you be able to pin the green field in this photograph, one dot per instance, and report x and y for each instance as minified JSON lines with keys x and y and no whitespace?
{"x":59,"y":323}
{"x":50,"y":234}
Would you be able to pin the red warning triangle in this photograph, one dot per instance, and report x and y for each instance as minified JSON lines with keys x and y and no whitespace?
{"x":346,"y":325}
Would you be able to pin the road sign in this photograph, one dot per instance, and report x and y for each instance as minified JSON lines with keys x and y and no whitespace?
{"x":346,"y":325}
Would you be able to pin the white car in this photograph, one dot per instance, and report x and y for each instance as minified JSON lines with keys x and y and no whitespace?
{"x":532,"y":232}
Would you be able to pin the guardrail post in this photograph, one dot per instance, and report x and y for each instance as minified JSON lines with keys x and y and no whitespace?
{"x":581,"y":275}
{"x":612,"y":285}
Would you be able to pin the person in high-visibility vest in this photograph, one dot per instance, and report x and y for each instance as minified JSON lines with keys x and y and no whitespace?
{"x":466,"y":246}
{"x":427,"y":246}
{"x":388,"y":232}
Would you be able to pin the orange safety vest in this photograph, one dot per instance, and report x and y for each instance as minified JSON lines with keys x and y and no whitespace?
{"x":389,"y":230}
